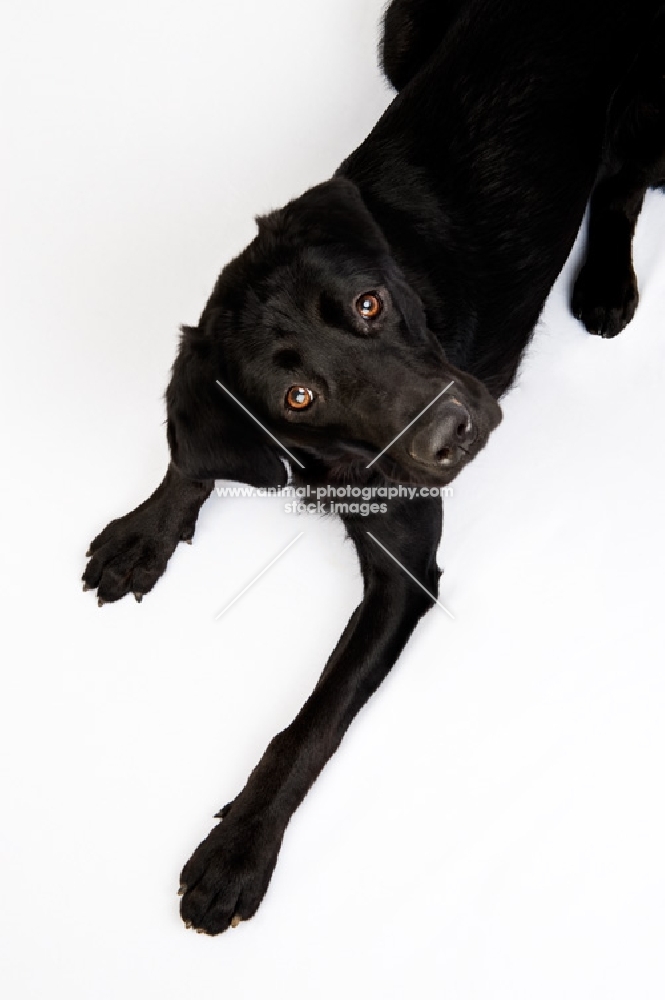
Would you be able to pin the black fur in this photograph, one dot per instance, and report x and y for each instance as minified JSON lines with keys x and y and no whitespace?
{"x":458,"y":211}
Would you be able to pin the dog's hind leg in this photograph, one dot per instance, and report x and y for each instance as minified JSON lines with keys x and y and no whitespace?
{"x":412,"y":31}
{"x":605,"y":295}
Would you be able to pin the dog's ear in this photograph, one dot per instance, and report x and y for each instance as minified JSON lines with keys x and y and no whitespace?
{"x":330,"y":214}
{"x":406,"y":299}
{"x":209,"y":435}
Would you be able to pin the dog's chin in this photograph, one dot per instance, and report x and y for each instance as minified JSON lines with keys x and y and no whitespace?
{"x":417,"y":474}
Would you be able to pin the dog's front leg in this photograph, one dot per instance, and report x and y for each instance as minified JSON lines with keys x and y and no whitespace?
{"x":131,"y":553}
{"x":227,"y":876}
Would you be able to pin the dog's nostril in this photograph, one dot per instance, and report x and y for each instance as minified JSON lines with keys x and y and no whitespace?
{"x":461,"y":429}
{"x":446,"y":456}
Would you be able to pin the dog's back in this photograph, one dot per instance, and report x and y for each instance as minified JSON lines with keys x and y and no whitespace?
{"x":502,"y":130}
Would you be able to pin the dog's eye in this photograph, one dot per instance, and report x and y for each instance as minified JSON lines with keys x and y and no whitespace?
{"x":369,"y":305}
{"x":299,"y":397}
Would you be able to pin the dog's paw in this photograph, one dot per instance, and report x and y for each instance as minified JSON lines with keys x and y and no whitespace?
{"x":605,"y":302}
{"x":129,"y":556}
{"x":226,"y":878}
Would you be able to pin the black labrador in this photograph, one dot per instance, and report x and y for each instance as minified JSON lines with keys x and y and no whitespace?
{"x":424,"y":261}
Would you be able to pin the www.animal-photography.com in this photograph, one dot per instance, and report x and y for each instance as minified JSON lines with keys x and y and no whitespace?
{"x":333,"y":388}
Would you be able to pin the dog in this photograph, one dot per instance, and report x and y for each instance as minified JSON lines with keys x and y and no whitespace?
{"x":368,"y":331}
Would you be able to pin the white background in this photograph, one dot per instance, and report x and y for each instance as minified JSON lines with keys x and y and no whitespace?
{"x":493,"y":825}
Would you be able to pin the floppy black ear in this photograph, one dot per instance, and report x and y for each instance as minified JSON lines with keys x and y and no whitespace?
{"x":406,"y":299}
{"x":209,"y":436}
{"x":331,"y":213}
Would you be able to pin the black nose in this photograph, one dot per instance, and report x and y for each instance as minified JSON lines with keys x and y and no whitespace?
{"x":446,"y":439}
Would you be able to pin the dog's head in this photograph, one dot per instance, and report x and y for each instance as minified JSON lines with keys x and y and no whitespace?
{"x":316,"y":332}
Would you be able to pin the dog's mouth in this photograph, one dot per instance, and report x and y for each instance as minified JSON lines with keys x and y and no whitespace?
{"x":414,"y":473}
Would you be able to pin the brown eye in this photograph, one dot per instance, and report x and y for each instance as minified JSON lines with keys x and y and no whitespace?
{"x":369,"y":306}
{"x":299,"y":398}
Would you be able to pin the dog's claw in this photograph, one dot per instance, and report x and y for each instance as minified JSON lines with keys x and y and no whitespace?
{"x":86,"y":586}
{"x":138,"y":596}
{"x":100,"y":602}
{"x":236,"y":920}
{"x":182,"y":890}
{"x":88,"y":553}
